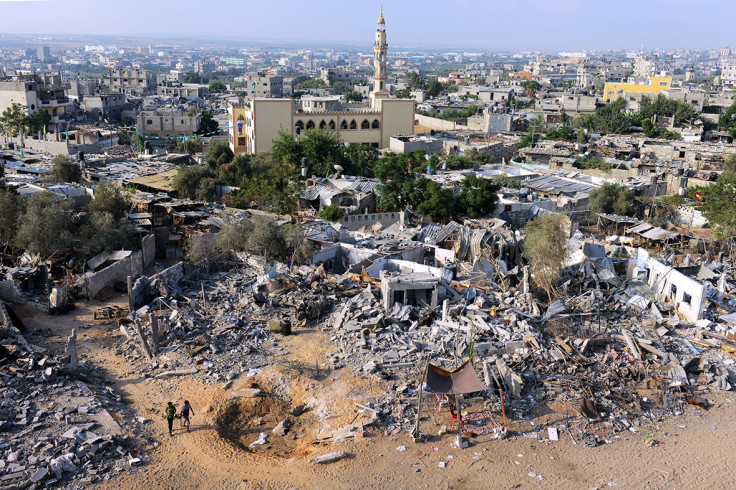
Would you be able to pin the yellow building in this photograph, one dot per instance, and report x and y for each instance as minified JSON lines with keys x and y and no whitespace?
{"x":255,"y":123}
{"x":654,"y":86}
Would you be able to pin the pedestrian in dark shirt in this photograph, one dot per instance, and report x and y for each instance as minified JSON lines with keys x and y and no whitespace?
{"x":185,"y":409}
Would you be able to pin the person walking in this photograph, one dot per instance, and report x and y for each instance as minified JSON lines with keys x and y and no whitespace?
{"x":185,"y":409}
{"x":170,"y":414}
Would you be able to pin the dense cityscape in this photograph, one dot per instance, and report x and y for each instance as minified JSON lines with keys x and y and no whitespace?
{"x":366,"y":265}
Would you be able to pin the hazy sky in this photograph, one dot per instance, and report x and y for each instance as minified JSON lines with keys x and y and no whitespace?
{"x":488,"y":24}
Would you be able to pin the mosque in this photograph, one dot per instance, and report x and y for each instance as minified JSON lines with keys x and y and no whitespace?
{"x":255,"y":123}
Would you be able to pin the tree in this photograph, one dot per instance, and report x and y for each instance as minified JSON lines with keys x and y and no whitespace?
{"x":208,"y":124}
{"x":193,"y":182}
{"x":727,"y":120}
{"x":546,"y":248}
{"x":506,"y":181}
{"x":296,"y":244}
{"x":434,"y":87}
{"x":611,"y":198}
{"x":202,"y":251}
{"x":217,"y":87}
{"x":664,"y":106}
{"x":140,"y":143}
{"x":286,"y":149}
{"x":720,"y":204}
{"x":190,"y":77}
{"x":107,"y":233}
{"x":531,"y":87}
{"x":265,"y":239}
{"x":608,"y":119}
{"x":189,"y":145}
{"x":233,"y":173}
{"x":218,"y":154}
{"x":729,"y":164}
{"x":38,"y":122}
{"x":64,"y":169}
{"x":360,"y":159}
{"x":109,"y":198}
{"x":322,"y":147}
{"x":581,"y":137}
{"x":434,"y":201}
{"x":403,"y":93}
{"x":12,"y":208}
{"x":13,"y":119}
{"x":233,"y":237}
{"x":44,"y":226}
{"x":332,"y":212}
{"x":478,"y":196}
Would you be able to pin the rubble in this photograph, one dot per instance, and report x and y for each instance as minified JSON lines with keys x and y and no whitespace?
{"x":55,"y":428}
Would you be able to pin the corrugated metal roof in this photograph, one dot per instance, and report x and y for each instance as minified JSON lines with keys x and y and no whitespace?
{"x":640,"y":228}
{"x":659,"y":234}
{"x":557,"y":185}
{"x":310,"y":193}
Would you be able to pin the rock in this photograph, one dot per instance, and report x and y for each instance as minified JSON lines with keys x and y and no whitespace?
{"x":247,"y":393}
{"x":282,"y":428}
{"x":298,"y":410}
{"x":39,"y":475}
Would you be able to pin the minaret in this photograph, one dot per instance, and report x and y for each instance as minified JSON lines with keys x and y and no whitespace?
{"x":380,"y":70}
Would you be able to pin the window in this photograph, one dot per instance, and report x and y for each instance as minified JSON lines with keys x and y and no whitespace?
{"x":686,"y":298}
{"x":241,"y":141}
{"x":148,"y":121}
{"x":322,"y":125}
{"x":332,"y":124}
{"x":663,"y":83}
{"x":365,"y":124}
{"x":353,"y":125}
{"x":310,"y":124}
{"x":344,"y":125}
{"x":300,"y":125}
{"x":376,"y":124}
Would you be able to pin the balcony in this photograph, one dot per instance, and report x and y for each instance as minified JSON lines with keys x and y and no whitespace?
{"x":54,"y":102}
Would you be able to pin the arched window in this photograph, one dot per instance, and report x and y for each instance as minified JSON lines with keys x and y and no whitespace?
{"x":376,"y":124}
{"x":344,"y":125}
{"x":353,"y":125}
{"x":365,"y":124}
{"x":310,"y":124}
{"x":300,"y":125}
{"x":332,"y":124}
{"x":322,"y":125}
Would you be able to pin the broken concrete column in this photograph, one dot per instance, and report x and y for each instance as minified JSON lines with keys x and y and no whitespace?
{"x":130,"y":295}
{"x":144,"y":343}
{"x":154,"y":334}
{"x":445,"y":304}
{"x":513,"y":382}
{"x":71,"y":351}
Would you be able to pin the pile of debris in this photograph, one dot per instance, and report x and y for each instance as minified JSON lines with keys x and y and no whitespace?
{"x":214,"y":326}
{"x":54,"y":427}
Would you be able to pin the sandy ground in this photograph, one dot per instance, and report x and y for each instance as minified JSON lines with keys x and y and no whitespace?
{"x":695,"y":449}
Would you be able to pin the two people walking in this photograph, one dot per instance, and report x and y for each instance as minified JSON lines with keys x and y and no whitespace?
{"x":184,"y":414}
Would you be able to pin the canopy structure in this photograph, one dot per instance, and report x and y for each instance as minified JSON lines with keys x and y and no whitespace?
{"x":460,"y":381}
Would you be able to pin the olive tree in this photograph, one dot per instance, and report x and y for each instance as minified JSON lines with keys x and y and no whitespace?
{"x":546,"y":247}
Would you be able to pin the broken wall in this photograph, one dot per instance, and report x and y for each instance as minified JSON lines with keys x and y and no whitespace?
{"x":354,"y":222}
{"x":148,"y":247}
{"x":115,"y":273}
{"x":670,"y":285}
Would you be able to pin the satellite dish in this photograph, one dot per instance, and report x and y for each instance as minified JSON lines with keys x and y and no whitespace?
{"x":339,"y":168}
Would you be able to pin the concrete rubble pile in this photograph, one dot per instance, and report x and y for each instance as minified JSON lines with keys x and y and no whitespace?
{"x":611,"y":350}
{"x":55,"y":428}
{"x":221,"y":335}
{"x":618,"y":362}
